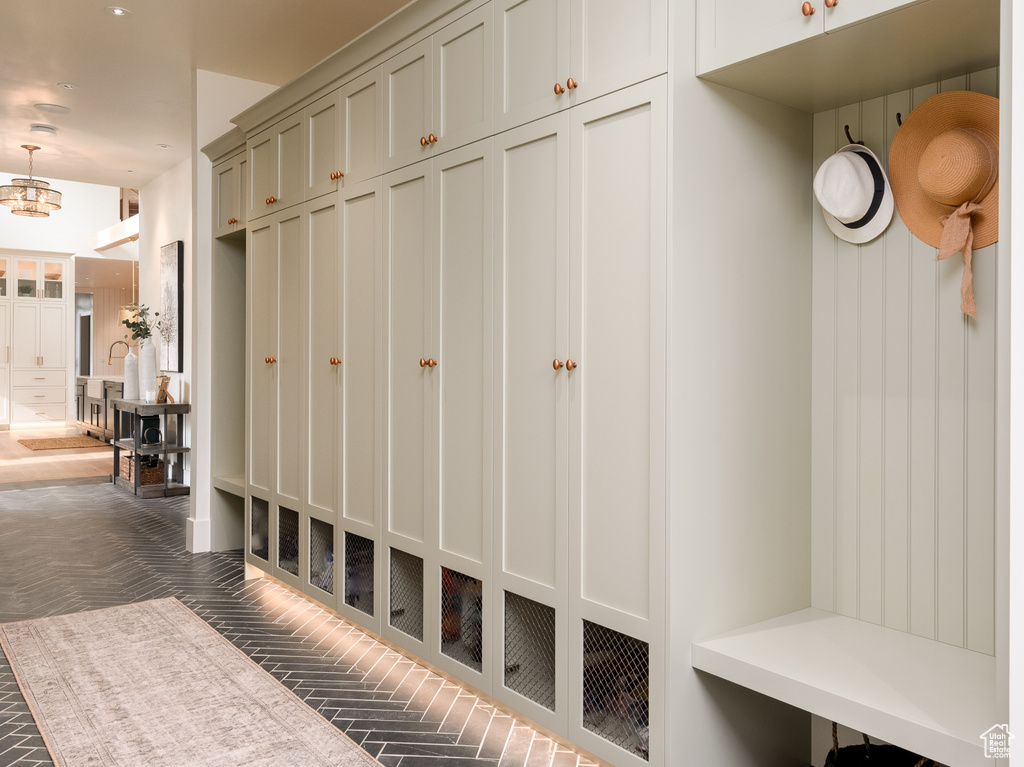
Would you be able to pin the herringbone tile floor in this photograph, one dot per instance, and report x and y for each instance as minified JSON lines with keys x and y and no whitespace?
{"x":67,"y":549}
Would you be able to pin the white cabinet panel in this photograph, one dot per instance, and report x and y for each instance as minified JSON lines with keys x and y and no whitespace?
{"x":5,"y":334}
{"x":408,"y":106}
{"x":5,"y":402}
{"x":463,"y":80}
{"x":408,"y":234}
{"x":53,"y":336}
{"x":362,"y":127}
{"x":531,"y":252}
{"x":617,"y":340}
{"x":322,"y":377}
{"x":360,"y":291}
{"x":462,"y":194}
{"x":6,"y":278}
{"x":25,"y":338}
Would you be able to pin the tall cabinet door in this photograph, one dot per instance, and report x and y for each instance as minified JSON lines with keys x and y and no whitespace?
{"x":616,"y":43}
{"x":323,"y":375}
{"x":616,"y":389}
{"x":25,"y":341}
{"x":290,"y":241}
{"x":411,"y":385}
{"x":408,"y":106}
{"x":531,"y":60}
{"x":531,"y":256}
{"x":263,"y":310}
{"x":53,"y":335}
{"x":5,"y":359}
{"x":362,"y":406}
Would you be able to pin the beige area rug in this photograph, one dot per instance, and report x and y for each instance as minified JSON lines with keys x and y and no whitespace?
{"x":151,"y":684}
{"x":61,"y":443}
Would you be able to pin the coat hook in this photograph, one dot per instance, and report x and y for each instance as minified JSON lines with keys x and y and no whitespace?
{"x":849,"y":138}
{"x":899,"y":120}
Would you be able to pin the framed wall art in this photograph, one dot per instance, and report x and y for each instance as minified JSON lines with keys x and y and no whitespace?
{"x":172,"y":299}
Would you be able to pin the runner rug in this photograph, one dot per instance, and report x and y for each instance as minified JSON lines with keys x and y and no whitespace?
{"x":152,"y":684}
{"x":61,"y":443}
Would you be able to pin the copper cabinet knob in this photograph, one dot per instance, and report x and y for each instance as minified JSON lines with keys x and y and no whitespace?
{"x":423,"y":140}
{"x":431,"y":363}
{"x":570,"y":365}
{"x":273,"y":199}
{"x":559,"y":90}
{"x":335,"y":361}
{"x":432,"y":139}
{"x":268,"y":201}
{"x":423,"y":362}
{"x":267,"y":360}
{"x":570,"y":84}
{"x":808,"y":9}
{"x":273,"y":360}
{"x":557,"y":364}
{"x":831,"y":3}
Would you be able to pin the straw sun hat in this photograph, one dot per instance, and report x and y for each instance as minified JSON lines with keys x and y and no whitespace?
{"x":944,"y":166}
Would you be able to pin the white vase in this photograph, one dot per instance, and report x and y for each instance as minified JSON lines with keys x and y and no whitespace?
{"x":147,"y":366}
{"x":131,"y":375}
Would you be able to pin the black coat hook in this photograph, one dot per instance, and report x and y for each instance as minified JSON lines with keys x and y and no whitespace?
{"x":849,"y":138}
{"x":899,"y":120}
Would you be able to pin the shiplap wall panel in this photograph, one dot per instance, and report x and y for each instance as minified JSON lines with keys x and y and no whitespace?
{"x":903,"y":418}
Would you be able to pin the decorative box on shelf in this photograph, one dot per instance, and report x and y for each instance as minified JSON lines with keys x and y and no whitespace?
{"x":149,"y":459}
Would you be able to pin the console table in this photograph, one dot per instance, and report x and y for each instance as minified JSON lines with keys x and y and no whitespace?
{"x":141,"y":445}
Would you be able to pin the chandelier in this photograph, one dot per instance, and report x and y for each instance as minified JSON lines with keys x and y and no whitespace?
{"x":29,"y":196}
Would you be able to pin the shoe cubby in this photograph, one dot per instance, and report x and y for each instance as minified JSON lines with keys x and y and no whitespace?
{"x":462,"y":604}
{"x":359,"y":572}
{"x":321,"y":555}
{"x":288,"y":540}
{"x":530,"y":649}
{"x":259,"y":528}
{"x":406,"y":594}
{"x":616,"y":677}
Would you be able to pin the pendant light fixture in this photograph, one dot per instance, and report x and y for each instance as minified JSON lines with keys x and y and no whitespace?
{"x":29,"y":196}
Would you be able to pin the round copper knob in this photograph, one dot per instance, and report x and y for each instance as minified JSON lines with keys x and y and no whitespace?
{"x":335,"y":361}
{"x":267,"y":360}
{"x":557,"y":364}
{"x":831,"y":3}
{"x":808,"y":9}
{"x":423,"y":140}
{"x":423,"y":362}
{"x":431,"y":363}
{"x":559,"y":90}
{"x":570,"y":84}
{"x":570,"y":365}
{"x":268,"y":201}
{"x":431,"y":139}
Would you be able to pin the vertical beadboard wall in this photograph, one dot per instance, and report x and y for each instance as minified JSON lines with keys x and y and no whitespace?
{"x":903,"y":413}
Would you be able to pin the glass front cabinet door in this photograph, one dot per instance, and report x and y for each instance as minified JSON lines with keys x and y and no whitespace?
{"x":39,"y":278}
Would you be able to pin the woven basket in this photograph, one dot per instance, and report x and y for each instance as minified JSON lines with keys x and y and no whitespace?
{"x":151,"y":475}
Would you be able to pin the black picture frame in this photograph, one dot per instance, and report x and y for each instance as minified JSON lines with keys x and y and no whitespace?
{"x":172,"y":301}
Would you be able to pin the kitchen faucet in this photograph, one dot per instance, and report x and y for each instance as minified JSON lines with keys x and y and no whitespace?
{"x":110,"y":354}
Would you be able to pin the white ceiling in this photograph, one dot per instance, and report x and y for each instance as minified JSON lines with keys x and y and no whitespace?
{"x":133,"y":74}
{"x":95,"y":273}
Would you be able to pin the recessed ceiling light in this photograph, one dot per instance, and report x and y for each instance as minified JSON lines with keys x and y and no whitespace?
{"x":116,"y":10}
{"x":41,"y":128}
{"x":164,"y":146}
{"x":55,"y":109}
{"x":131,"y":171}
{"x":67,"y":86}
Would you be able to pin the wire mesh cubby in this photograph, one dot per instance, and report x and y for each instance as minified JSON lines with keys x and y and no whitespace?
{"x":530,"y":649}
{"x":288,"y":540}
{"x":406,"y":608}
{"x":462,"y":604}
{"x":321,"y":555}
{"x":616,"y":671}
{"x":359,"y":572}
{"x":259,"y":528}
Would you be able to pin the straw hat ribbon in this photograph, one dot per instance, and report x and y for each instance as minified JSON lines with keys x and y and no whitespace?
{"x":944,"y":166}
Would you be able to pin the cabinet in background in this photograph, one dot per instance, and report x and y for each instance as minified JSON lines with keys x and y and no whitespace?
{"x":728,"y":32}
{"x":39,"y":335}
{"x":5,"y":277}
{"x":229,"y":183}
{"x":39,"y":279}
{"x":275,"y":168}
{"x":551,"y":54}
{"x":437,"y":93}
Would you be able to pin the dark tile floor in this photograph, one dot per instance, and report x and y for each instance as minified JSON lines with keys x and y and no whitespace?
{"x":66,"y":549}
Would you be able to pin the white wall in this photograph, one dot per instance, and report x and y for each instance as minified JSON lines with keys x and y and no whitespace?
{"x":85,"y":209}
{"x":216,"y":98}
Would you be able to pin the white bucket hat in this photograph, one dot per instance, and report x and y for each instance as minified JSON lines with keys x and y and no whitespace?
{"x":854,"y":194}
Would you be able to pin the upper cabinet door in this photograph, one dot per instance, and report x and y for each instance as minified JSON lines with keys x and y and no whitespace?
{"x":5,"y":277}
{"x":361,"y":129}
{"x":262,"y":183}
{"x":288,"y":136}
{"x":531,"y":60}
{"x":322,"y":122}
{"x":228,"y":194}
{"x":462,"y":86}
{"x":409,"y":134}
{"x":52,"y":335}
{"x":615,"y":43}
{"x":728,"y":31}
{"x":40,"y":279}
